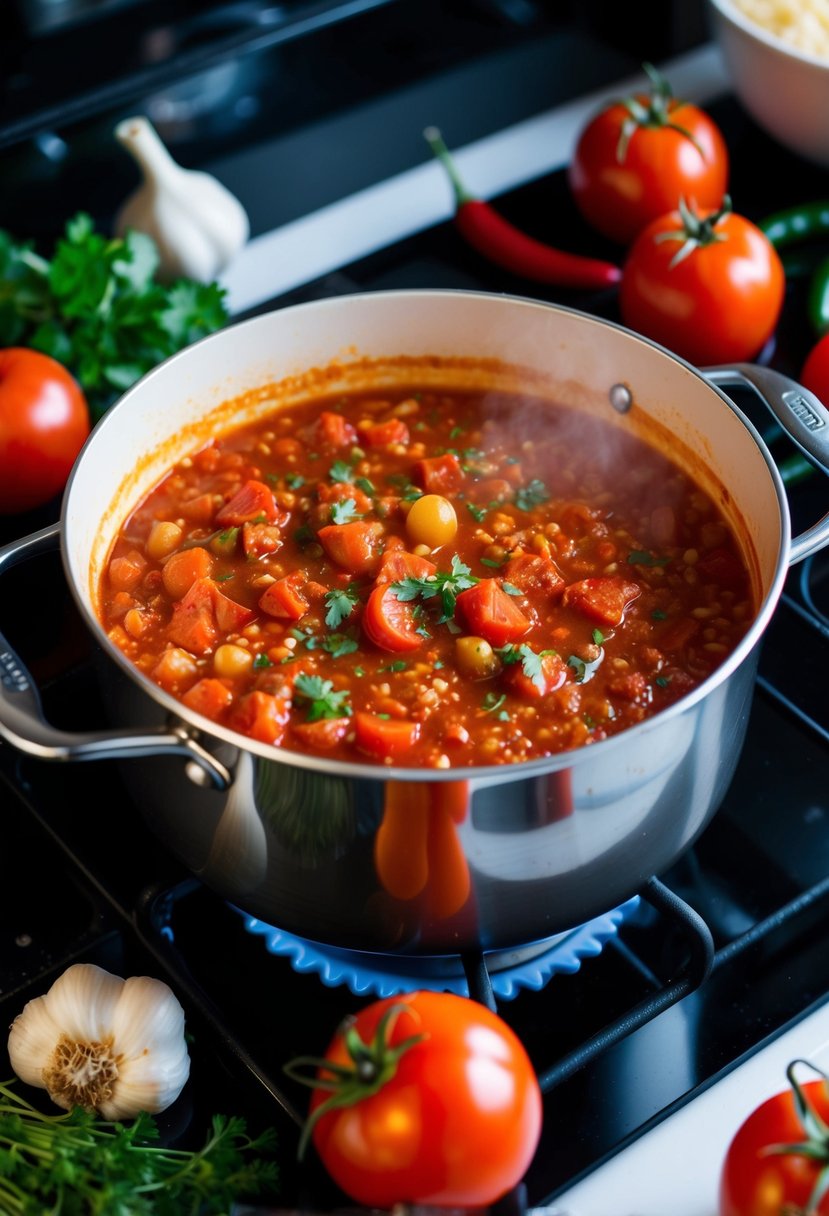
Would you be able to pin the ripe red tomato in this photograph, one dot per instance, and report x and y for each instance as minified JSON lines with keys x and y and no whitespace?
{"x":755,"y":1182}
{"x":44,"y":421}
{"x":815,"y":373}
{"x":637,"y":157}
{"x":456,"y":1121}
{"x":709,"y":286}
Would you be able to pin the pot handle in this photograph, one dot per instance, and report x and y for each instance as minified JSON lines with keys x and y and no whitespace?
{"x":802,"y":416}
{"x":23,"y":724}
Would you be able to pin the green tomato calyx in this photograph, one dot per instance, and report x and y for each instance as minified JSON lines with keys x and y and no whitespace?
{"x":695,"y":232}
{"x":651,"y":114}
{"x":372,"y":1065}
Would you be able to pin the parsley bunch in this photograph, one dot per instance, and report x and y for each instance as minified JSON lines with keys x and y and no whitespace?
{"x":77,"y":1164}
{"x":95,"y":307}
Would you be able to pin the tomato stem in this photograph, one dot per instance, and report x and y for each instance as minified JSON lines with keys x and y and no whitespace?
{"x":373,"y":1064}
{"x":657,"y":113}
{"x":695,"y":232}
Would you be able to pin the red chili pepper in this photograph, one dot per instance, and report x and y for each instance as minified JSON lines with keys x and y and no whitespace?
{"x":500,"y":241}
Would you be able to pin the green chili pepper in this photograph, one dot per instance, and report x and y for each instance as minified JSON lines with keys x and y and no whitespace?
{"x":802,"y":223}
{"x":817,"y":304}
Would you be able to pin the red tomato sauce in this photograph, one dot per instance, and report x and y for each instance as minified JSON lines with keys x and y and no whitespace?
{"x":427,"y":579}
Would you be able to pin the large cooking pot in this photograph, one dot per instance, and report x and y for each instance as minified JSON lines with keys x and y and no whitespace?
{"x":507,"y":855}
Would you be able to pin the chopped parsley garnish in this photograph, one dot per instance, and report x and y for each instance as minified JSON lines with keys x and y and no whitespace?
{"x":477,"y":513}
{"x":510,"y":589}
{"x":294,"y":481}
{"x":584,"y":671}
{"x":490,"y":561}
{"x":662,"y":681}
{"x":493,"y":702}
{"x":455,"y":432}
{"x":344,"y":512}
{"x":410,"y":493}
{"x":340,"y":471}
{"x":659,"y":615}
{"x":261,"y":661}
{"x":397,"y":665}
{"x":640,"y":558}
{"x":340,"y":604}
{"x":222,"y":578}
{"x":339,"y":644}
{"x":598,"y":637}
{"x":363,"y":483}
{"x":531,"y":495}
{"x":323,"y":702}
{"x":445,"y":584}
{"x":531,"y":663}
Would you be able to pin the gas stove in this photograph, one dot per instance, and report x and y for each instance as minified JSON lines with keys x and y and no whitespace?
{"x":633,"y":1021}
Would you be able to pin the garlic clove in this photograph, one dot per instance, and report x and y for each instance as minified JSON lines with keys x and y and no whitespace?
{"x":83,"y":1000}
{"x":150,"y":1083}
{"x":32,"y":1039}
{"x":148,"y":1016}
{"x":196,"y":223}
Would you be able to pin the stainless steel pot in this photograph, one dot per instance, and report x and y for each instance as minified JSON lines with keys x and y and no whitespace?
{"x":493,"y":857}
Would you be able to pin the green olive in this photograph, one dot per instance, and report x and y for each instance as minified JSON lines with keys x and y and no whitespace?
{"x":475,"y":657}
{"x":431,"y":521}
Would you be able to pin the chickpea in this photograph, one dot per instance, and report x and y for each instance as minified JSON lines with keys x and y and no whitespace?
{"x":475,"y":657}
{"x":230,"y":661}
{"x":431,"y":521}
{"x":163,"y":539}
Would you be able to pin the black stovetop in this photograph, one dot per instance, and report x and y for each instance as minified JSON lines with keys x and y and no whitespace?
{"x":86,"y":880}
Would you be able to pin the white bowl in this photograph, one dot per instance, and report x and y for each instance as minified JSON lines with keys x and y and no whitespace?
{"x":784,"y":89}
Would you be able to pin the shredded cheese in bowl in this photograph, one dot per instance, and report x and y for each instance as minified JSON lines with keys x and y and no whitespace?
{"x":803,"y":24}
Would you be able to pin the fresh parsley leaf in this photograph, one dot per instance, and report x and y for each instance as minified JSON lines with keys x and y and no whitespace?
{"x":261,"y":661}
{"x":340,"y":471}
{"x":598,"y":637}
{"x":584,"y":671}
{"x":363,"y":483}
{"x":662,"y":681}
{"x":339,"y":644}
{"x":446,"y":584}
{"x":640,"y":558}
{"x":95,"y":306}
{"x":492,"y":702}
{"x":396,"y":665}
{"x":659,"y":615}
{"x":344,"y":512}
{"x":477,"y":513}
{"x":294,"y":481}
{"x":490,"y":561}
{"x":531,"y":663}
{"x":340,"y":604}
{"x":323,"y":702}
{"x":510,"y":589}
{"x":531,"y":495}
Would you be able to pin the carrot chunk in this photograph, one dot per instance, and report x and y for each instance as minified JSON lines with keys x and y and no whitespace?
{"x":382,"y":737}
{"x":193,"y":624}
{"x":381,"y":434}
{"x":333,"y":431}
{"x":261,"y":715}
{"x":389,"y":622}
{"x":184,"y":568}
{"x":284,"y":598}
{"x":322,"y":735}
{"x":208,"y":697}
{"x":397,"y":564}
{"x":125,"y":572}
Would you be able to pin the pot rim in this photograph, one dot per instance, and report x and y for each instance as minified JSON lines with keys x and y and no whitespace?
{"x":481,"y":775}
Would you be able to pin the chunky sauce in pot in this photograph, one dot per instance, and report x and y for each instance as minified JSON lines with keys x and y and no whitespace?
{"x":428,"y":579}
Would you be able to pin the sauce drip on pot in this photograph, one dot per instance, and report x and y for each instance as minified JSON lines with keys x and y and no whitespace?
{"x":427,"y":579}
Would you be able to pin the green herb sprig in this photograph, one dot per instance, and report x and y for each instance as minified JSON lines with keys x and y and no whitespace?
{"x":96,"y":307}
{"x":323,"y":702}
{"x":76,"y":1163}
{"x":446,"y":584}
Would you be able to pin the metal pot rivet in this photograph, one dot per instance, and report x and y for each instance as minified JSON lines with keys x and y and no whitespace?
{"x":198,"y":775}
{"x":621,"y":398}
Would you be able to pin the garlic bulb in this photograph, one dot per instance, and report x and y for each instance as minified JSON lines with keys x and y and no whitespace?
{"x":196,"y":223}
{"x":109,"y":1045}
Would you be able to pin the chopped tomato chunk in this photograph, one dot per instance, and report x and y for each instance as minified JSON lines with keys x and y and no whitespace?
{"x":261,"y":715}
{"x":381,"y":434}
{"x":253,"y":502}
{"x":284,"y":598}
{"x":125,"y":572}
{"x":342,"y":491}
{"x":604,"y":599}
{"x":321,"y":735}
{"x":552,"y":675}
{"x":397,"y":564}
{"x":492,"y":614}
{"x":332,"y":430}
{"x":204,"y":613}
{"x":260,"y":539}
{"x":439,"y":474}
{"x":389,"y":622}
{"x":382,"y":737}
{"x":352,"y":546}
{"x":531,"y":573}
